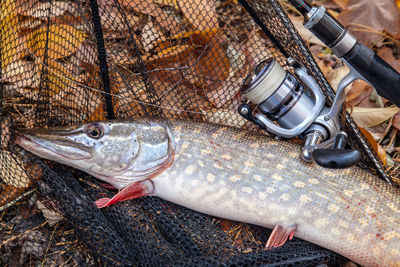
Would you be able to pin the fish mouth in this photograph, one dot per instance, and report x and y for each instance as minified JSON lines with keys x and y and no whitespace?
{"x":51,"y":151}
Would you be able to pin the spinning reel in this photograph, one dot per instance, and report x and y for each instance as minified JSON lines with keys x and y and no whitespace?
{"x":288,"y":105}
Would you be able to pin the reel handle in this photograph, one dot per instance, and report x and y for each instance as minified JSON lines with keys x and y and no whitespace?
{"x":245,"y":111}
{"x":337,"y":157}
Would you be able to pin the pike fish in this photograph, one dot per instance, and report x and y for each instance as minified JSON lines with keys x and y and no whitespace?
{"x":237,"y":175}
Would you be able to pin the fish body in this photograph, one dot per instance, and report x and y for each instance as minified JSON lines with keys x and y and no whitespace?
{"x":239,"y":175}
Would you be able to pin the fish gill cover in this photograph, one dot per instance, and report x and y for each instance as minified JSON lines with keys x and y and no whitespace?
{"x":68,"y":62}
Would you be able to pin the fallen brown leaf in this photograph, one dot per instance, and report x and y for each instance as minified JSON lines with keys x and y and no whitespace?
{"x":369,"y":117}
{"x":47,"y":10}
{"x":131,"y":95}
{"x":52,"y":216}
{"x":304,"y":32}
{"x":237,"y":73}
{"x":360,"y":92}
{"x":9,"y":27}
{"x":201,"y":13}
{"x":150,"y":35}
{"x":163,"y":18}
{"x":367,"y":19}
{"x":57,"y":41}
{"x":211,"y":67}
{"x":336,"y":75}
{"x":256,"y":48}
{"x":86,"y":53}
{"x":58,"y":77}
{"x":173,"y":3}
{"x":12,"y":171}
{"x":342,"y":3}
{"x":9,"y":192}
{"x":169,"y":54}
{"x":377,"y":148}
{"x":396,"y":121}
{"x":387,"y":54}
{"x":23,"y":74}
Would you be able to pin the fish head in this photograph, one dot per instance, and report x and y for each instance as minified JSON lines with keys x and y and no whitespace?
{"x":119,"y":153}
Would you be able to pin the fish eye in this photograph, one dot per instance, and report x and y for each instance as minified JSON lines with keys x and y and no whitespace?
{"x":94,"y":131}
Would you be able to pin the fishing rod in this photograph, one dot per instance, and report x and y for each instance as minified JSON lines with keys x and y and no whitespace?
{"x":363,"y":60}
{"x":289,"y":105}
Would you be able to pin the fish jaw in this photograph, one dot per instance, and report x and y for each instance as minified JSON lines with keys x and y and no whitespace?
{"x":49,"y":150}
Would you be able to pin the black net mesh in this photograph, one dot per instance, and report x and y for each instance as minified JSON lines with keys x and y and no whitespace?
{"x":68,"y":62}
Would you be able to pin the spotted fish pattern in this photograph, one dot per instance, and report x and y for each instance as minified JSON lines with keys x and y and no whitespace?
{"x":252,"y":178}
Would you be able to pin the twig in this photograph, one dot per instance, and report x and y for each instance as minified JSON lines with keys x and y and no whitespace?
{"x":48,"y":244}
{"x":12,"y":202}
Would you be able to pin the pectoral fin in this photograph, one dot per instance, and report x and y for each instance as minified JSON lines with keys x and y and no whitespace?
{"x":279,"y":236}
{"x":135,"y":190}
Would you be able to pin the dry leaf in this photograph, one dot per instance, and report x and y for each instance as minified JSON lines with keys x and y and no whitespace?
{"x":367,"y":19}
{"x":193,"y":37}
{"x":9,"y":192}
{"x":378,"y":148}
{"x":57,"y":77}
{"x":304,"y":32}
{"x":237,"y":73}
{"x":22,"y":74}
{"x":12,"y":171}
{"x":49,"y":9}
{"x":150,"y":35}
{"x":211,"y":68}
{"x":369,"y":117}
{"x":5,"y":137}
{"x":94,"y":101}
{"x":237,"y":58}
{"x":336,"y":75}
{"x":396,"y":121}
{"x":120,"y":55}
{"x":201,"y":13}
{"x":87,"y":53}
{"x":57,"y":41}
{"x":173,"y":3}
{"x":325,"y":68}
{"x":342,"y":3}
{"x":132,"y":95}
{"x":51,"y":216}
{"x":163,"y":18}
{"x":113,"y":20}
{"x":26,"y":24}
{"x":178,"y":101}
{"x":387,"y":54}
{"x":256,"y":48}
{"x":169,"y":54}
{"x":360,"y":92}
{"x":99,"y":114}
{"x":9,"y":27}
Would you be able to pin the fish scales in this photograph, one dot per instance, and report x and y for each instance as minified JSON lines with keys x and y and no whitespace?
{"x":239,"y":175}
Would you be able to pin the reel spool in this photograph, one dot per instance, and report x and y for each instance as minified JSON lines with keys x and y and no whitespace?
{"x":277,"y":96}
{"x":288,"y":105}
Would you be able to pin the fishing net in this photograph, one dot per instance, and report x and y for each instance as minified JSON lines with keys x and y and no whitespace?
{"x":68,"y":62}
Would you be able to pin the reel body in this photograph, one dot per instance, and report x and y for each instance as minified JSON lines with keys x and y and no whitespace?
{"x":280,"y":97}
{"x":288,"y":105}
